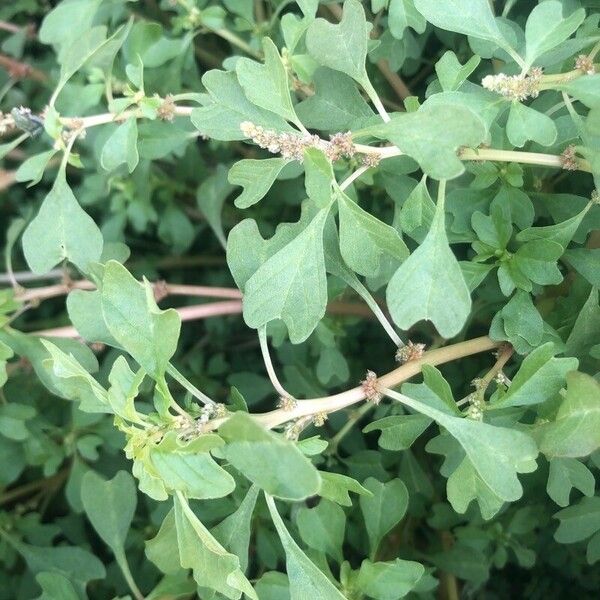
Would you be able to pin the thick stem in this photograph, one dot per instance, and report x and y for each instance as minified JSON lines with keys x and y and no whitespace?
{"x":336,"y":402}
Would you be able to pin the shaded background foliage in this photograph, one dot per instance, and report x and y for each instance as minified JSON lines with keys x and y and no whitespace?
{"x":174,"y":211}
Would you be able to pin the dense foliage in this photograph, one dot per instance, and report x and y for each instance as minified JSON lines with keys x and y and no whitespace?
{"x":372,"y":230}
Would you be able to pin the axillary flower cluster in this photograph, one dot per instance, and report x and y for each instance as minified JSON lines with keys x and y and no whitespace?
{"x":515,"y":87}
{"x":292,"y":145}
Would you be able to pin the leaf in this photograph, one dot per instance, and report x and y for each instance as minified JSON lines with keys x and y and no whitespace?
{"x":274,"y":463}
{"x":61,"y":230}
{"x":341,"y":47}
{"x":291,"y":285}
{"x":322,"y":528}
{"x":75,"y":564}
{"x":234,"y":531}
{"x":566,"y":474}
{"x":67,"y":21}
{"x":267,"y":85}
{"x":399,"y":432}
{"x":132,"y":317}
{"x":74,"y":382}
{"x":389,"y":580}
{"x":430,"y":284}
{"x":546,"y":28}
{"x":85,"y":312}
{"x":585,"y":89}
{"x":33,"y":168}
{"x":525,"y":123}
{"x":364,"y":239}
{"x":336,"y":104}
{"x":210,"y":198}
{"x":306,"y":580}
{"x":121,"y":147}
{"x":473,"y":18}
{"x":5,"y":353}
{"x":197,"y":475}
{"x":335,"y":487}
{"x":579,"y":521}
{"x":586,"y":330}
{"x":229,"y":108}
{"x":575,"y":431}
{"x":256,"y":177}
{"x":384,"y":509}
{"x":212,"y":566}
{"x":522,"y":321}
{"x":403,"y":14}
{"x":451,"y":73}
{"x":418,"y":135}
{"x":308,"y":7}
{"x":318,"y":177}
{"x":585,"y":261}
{"x":416,"y":214}
{"x":124,"y":388}
{"x":55,"y":587}
{"x":110,"y":506}
{"x":496,"y":454}
{"x":540,"y":378}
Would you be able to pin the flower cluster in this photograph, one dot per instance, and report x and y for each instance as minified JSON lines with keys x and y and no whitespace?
{"x":369,"y":386}
{"x":476,"y":408}
{"x":292,"y":145}
{"x":568,"y":159}
{"x":409,"y":352}
{"x":585,"y":64}
{"x":515,"y":87}
{"x":7,"y":123}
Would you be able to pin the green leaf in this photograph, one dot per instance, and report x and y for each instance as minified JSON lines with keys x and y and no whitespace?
{"x":579,"y":521}
{"x":234,"y":531}
{"x":389,"y":580}
{"x":75,"y":564}
{"x":132,"y":317}
{"x":566,"y":474}
{"x":308,"y":7}
{"x":575,"y":430}
{"x":546,"y":28}
{"x":495,"y":454}
{"x":124,"y":388}
{"x":403,"y":14}
{"x":335,"y":487}
{"x":256,"y":177}
{"x":55,"y":587}
{"x":585,"y":89}
{"x":525,"y":123}
{"x":341,"y":47}
{"x":68,"y":21}
{"x":85,"y":312}
{"x":267,"y":85}
{"x":417,"y":212}
{"x":473,"y":18}
{"x":110,"y":506}
{"x":33,"y":168}
{"x":274,"y":463}
{"x":522,"y":321}
{"x":211,"y":196}
{"x":364,"y":239}
{"x":585,"y":261}
{"x":586,"y":330}
{"x":213,"y":567}
{"x":322,"y":528}
{"x":5,"y":353}
{"x":75,"y":383}
{"x":306,"y":580}
{"x":197,"y":475}
{"x":291,"y":285}
{"x":61,"y":230}
{"x":121,"y":147}
{"x":229,"y":108}
{"x":430,"y":284}
{"x":540,"y":378}
{"x":318,"y":177}
{"x":336,"y":104}
{"x":451,"y":73}
{"x":399,"y":432}
{"x":384,"y":509}
{"x":418,"y":135}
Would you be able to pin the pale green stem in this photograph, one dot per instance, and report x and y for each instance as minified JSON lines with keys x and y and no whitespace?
{"x":376,"y":100}
{"x":264,"y":348}
{"x":124,"y":566}
{"x":191,"y":388}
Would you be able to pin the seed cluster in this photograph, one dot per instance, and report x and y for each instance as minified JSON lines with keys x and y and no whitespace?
{"x":515,"y":87}
{"x":568,"y":159}
{"x":585,"y":64}
{"x":292,"y":145}
{"x":369,"y":386}
{"x":409,"y":352}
